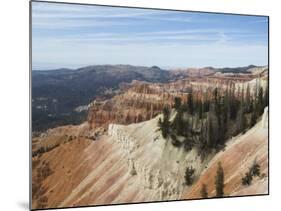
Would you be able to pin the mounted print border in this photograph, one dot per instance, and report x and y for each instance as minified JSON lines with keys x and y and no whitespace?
{"x":143,"y":105}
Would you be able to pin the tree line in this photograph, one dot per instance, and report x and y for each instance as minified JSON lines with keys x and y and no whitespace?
{"x":206,"y":120}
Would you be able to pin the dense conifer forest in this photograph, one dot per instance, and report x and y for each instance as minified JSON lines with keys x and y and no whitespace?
{"x":207,"y":120}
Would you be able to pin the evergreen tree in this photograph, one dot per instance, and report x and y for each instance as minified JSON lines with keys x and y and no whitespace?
{"x":200,"y":109}
{"x":255,"y":169}
{"x":227,"y":102}
{"x":219,"y":181}
{"x":224,"y":111}
{"x":219,"y":105}
{"x":222,"y":127}
{"x":243,"y":123}
{"x":251,"y":107}
{"x":206,"y":106}
{"x":184,"y":107}
{"x":253,"y":118}
{"x":239,"y":98}
{"x":242,"y":100}
{"x":178,"y":124}
{"x":166,"y":113}
{"x":215,"y":95}
{"x":186,"y":128}
{"x":189,"y":175}
{"x":233,"y":103}
{"x":211,"y":138}
{"x":204,"y":191}
{"x":260,"y":102}
{"x":266,"y":97}
{"x":190,"y":103}
{"x":248,"y":99}
{"x":165,"y":124}
{"x":160,"y":123}
{"x":234,"y":109}
{"x":177,"y":103}
{"x":202,"y":140}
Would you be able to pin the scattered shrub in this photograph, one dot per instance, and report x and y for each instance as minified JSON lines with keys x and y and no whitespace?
{"x":247,"y":179}
{"x":254,"y":171}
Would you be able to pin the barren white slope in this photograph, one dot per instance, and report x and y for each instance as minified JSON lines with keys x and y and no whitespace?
{"x":158,"y":166}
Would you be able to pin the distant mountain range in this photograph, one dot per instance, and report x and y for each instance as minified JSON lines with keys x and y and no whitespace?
{"x":56,"y":93}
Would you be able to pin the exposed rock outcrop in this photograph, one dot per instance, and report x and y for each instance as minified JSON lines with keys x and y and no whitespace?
{"x":140,"y":101}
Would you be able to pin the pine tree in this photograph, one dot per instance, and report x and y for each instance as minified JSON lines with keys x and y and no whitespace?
{"x":189,"y":175}
{"x":206,"y":106}
{"x":251,"y":107}
{"x":177,"y":103}
{"x":204,"y":191}
{"x":227,"y":102}
{"x":244,"y":123}
{"x":239,"y":93}
{"x":200,"y":109}
{"x":159,"y":122}
{"x":224,"y":111}
{"x":215,"y":95}
{"x":178,"y":124}
{"x":165,"y":124}
{"x":219,"y":181}
{"x":266,"y":97}
{"x":253,"y":118}
{"x":242,"y":101}
{"x":255,"y":169}
{"x":248,"y":99}
{"x":190,"y":102}
{"x":260,"y":102}
{"x":166,"y":112}
{"x":211,"y":138}
{"x":233,"y":103}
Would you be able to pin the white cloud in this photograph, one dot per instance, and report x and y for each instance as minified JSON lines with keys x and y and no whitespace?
{"x":60,"y":16}
{"x":205,"y":43}
{"x":151,"y":54}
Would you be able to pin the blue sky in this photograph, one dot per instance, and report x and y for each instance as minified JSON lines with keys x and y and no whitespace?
{"x":66,"y":35}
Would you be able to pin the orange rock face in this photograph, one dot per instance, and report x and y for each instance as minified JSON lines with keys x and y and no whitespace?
{"x":140,"y":102}
{"x":83,"y":172}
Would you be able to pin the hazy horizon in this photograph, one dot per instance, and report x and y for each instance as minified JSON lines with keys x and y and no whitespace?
{"x":73,"y":36}
{"x":161,"y":67}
